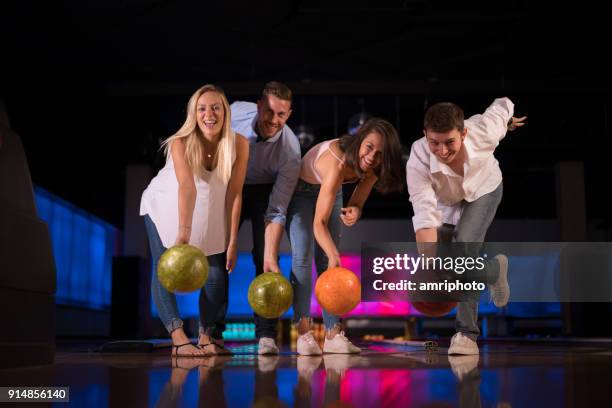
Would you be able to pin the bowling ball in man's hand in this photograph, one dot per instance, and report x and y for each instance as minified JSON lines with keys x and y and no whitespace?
{"x":434,"y":309}
{"x":270,"y":295}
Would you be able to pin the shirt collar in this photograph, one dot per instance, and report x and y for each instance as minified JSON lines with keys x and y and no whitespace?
{"x":435,"y":166}
{"x":468,"y":148}
{"x":257,"y":137}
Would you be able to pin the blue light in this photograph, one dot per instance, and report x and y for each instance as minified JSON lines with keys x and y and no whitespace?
{"x":83,"y":248}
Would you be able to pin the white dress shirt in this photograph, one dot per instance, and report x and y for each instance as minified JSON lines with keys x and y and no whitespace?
{"x":436,"y":191}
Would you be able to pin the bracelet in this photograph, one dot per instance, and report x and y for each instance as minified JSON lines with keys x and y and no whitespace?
{"x":185,"y":226}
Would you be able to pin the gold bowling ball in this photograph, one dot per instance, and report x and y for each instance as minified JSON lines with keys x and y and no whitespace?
{"x":270,"y":295}
{"x":182,"y":268}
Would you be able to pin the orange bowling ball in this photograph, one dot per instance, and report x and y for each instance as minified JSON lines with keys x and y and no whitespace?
{"x":338,"y":290}
{"x":434,"y":309}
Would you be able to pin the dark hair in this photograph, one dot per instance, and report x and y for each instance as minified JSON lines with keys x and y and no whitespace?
{"x":277,"y":89}
{"x":390,"y":171}
{"x":443,"y":117}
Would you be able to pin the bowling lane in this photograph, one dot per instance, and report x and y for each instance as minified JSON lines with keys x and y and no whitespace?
{"x":504,"y":375}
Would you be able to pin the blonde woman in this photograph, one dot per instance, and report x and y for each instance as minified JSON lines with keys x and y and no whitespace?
{"x":196,"y":199}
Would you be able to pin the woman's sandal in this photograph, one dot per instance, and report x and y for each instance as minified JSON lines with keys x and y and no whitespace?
{"x":223,"y":351}
{"x":177,"y":347}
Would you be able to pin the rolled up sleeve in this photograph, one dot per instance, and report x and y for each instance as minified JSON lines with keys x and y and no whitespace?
{"x":286,"y":180}
{"x":487,"y":129}
{"x":422,"y":195}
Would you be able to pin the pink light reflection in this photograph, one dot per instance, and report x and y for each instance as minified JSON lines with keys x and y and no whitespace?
{"x":353,"y":262}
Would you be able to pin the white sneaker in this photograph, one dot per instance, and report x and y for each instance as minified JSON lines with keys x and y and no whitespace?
{"x":340,"y":344}
{"x":462,"y":365}
{"x":461,"y":344}
{"x":267,"y":346}
{"x":307,"y":345}
{"x":500,"y":290}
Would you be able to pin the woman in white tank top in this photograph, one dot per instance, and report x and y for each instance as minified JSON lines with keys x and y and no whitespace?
{"x":196,"y":199}
{"x":372,"y":159}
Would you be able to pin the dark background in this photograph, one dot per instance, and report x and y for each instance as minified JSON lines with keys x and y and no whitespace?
{"x":92,"y":86}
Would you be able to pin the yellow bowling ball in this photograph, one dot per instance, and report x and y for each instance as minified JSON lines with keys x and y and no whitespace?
{"x":182,"y":268}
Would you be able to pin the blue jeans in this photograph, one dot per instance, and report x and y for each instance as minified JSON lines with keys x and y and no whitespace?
{"x":213,"y":296}
{"x":255,"y":198}
{"x":300,"y":217}
{"x":475,"y":220}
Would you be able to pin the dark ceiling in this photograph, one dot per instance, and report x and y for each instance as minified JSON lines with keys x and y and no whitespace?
{"x":182,"y":42}
{"x":94,"y":85}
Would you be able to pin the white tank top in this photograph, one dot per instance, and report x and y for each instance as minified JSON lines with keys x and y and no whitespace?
{"x":309,"y":172}
{"x":209,"y":227}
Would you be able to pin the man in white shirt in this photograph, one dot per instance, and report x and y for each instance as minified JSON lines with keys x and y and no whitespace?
{"x":455,"y":187}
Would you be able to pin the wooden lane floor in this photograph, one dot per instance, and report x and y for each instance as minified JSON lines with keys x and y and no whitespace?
{"x":503,"y":375}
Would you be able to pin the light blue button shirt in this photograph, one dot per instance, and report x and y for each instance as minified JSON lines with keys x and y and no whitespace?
{"x":275,"y":160}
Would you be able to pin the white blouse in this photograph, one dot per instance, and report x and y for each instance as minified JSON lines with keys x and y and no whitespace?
{"x":209,"y":227}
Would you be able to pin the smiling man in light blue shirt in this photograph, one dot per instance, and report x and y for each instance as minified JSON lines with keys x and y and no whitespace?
{"x":272,"y":173}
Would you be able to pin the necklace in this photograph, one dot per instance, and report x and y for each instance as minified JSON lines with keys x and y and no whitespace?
{"x":214,"y":154}
{"x":210,"y":156}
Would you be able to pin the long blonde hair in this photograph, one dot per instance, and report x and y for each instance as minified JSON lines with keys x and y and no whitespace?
{"x":194,"y":148}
